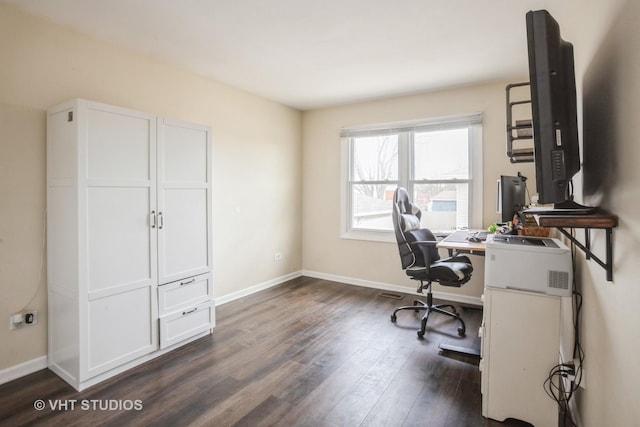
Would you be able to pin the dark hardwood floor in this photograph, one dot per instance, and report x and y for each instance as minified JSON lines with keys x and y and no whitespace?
{"x":306,"y":353}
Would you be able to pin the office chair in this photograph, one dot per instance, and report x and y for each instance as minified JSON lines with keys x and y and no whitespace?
{"x":421,"y":261}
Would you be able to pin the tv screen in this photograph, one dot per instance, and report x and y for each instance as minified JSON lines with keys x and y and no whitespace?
{"x":511,"y":196}
{"x":553,"y":105}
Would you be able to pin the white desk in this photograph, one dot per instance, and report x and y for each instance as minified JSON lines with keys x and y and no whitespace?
{"x":520,"y":345}
{"x":521,"y":331}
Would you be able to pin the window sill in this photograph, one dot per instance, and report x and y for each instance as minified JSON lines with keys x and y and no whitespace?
{"x":384,"y":236}
{"x":369,"y":235}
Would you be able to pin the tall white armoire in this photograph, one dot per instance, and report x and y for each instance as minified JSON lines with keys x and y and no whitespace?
{"x":129,"y":238}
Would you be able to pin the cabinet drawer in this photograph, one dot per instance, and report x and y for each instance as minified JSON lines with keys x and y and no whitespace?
{"x":186,"y":323}
{"x":184,"y":293}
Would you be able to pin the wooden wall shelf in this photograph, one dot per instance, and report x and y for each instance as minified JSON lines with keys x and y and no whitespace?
{"x":598,"y":220}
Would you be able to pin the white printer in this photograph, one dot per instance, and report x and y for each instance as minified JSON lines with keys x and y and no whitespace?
{"x":531,"y":264}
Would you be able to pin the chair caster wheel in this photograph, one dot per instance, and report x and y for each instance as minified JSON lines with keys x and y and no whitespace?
{"x":393,"y":318}
{"x":461,"y":332}
{"x":420,"y":334}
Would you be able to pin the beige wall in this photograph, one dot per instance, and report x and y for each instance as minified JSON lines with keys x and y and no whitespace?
{"x":22,"y":206}
{"x":606,"y":39}
{"x":323,"y":249}
{"x":256,"y":146}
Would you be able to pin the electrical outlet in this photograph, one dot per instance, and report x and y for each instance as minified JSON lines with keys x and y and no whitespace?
{"x":30,"y":317}
{"x":579,"y":374}
{"x":20,"y":320}
{"x":574,"y":372}
{"x":277,"y":256}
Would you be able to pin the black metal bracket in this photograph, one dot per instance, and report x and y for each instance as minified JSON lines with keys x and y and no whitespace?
{"x":586,"y":248}
{"x":518,"y":155}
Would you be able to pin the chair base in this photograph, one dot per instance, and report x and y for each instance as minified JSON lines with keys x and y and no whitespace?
{"x":429,"y":307}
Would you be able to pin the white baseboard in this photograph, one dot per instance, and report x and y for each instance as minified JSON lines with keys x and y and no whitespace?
{"x":25,"y":368}
{"x":256,"y":288}
{"x":464,"y":299}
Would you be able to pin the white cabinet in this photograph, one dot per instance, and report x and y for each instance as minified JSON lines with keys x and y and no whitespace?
{"x":128,"y":208}
{"x":520,"y":345}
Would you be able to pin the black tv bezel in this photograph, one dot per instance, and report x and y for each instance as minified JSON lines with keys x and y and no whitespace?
{"x":553,"y":107}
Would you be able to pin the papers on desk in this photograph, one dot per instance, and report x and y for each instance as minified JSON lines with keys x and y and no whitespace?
{"x":459,"y":236}
{"x":467,"y":236}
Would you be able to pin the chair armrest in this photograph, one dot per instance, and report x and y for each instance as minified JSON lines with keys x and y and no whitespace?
{"x":425,"y":243}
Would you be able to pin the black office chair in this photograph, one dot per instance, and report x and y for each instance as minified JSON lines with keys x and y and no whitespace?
{"x":421,"y":261}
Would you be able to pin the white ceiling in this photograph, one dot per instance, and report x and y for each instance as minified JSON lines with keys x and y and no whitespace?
{"x":313,"y":53}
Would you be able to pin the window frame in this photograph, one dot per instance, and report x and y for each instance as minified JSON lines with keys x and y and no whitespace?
{"x":406,"y":178}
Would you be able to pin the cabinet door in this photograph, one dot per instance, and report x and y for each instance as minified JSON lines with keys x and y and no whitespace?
{"x":121,"y":328}
{"x":120,"y":246}
{"x":120,"y":196}
{"x":184,"y":200}
{"x":523,"y":344}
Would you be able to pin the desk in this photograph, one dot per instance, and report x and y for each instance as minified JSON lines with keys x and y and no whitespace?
{"x":457,"y":242}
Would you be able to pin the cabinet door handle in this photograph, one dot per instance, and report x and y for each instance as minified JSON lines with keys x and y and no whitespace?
{"x":190,"y":311}
{"x":187,"y":282}
{"x":152,"y":219}
{"x":160,"y":221}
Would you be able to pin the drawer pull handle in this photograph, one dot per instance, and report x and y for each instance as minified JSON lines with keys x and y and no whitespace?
{"x":153,"y":219}
{"x":190,"y":311}
{"x":160,"y":221}
{"x":187,"y":282}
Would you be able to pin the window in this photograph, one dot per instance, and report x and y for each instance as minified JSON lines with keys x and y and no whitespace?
{"x":438,"y":161}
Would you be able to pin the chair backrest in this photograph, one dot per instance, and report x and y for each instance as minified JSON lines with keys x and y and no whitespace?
{"x":406,"y":225}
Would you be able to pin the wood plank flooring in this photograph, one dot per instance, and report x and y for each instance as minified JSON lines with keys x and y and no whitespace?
{"x":309,"y":352}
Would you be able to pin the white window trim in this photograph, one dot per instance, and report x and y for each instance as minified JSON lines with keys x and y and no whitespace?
{"x":475,"y":204}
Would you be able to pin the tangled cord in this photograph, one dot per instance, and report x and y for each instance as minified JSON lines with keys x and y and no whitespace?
{"x":554,"y":385}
